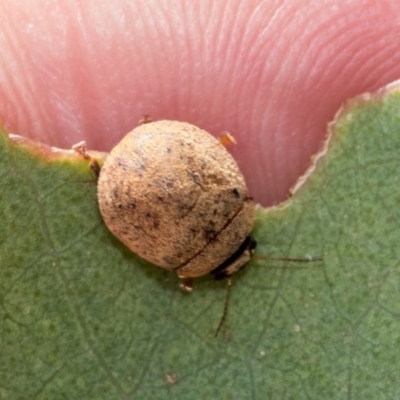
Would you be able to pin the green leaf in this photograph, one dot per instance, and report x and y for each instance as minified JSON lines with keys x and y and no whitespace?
{"x":81,"y":317}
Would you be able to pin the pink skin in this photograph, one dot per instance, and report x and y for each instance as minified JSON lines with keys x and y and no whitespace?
{"x":273,"y":73}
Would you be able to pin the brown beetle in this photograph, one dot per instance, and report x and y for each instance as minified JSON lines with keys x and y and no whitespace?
{"x":173,"y":194}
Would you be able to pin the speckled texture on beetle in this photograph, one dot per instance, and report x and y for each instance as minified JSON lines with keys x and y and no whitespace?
{"x":175,"y":196}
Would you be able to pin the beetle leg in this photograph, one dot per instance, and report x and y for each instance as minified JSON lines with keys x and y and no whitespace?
{"x":186,"y":285}
{"x":81,"y":149}
{"x":226,"y":139}
{"x":145,"y":120}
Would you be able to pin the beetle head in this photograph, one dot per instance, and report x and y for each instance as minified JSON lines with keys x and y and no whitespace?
{"x":237,"y":260}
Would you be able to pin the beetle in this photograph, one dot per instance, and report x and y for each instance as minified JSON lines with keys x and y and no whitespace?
{"x":173,"y":194}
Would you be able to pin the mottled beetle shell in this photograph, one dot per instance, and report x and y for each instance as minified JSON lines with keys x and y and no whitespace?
{"x":173,"y":195}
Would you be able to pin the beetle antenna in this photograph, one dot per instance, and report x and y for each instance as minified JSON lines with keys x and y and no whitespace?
{"x":225,"y":312}
{"x":300,"y":260}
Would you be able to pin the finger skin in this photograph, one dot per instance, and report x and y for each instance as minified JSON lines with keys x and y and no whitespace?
{"x":272,"y":73}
